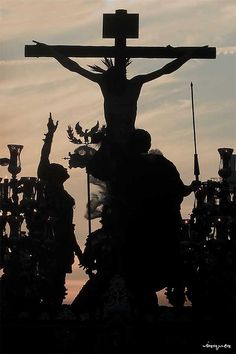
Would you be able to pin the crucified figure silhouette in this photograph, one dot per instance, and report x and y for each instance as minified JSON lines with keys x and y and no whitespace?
{"x":120,"y":94}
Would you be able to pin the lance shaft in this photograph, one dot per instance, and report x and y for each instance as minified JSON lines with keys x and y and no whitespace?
{"x":89,"y":203}
{"x":196,"y":164}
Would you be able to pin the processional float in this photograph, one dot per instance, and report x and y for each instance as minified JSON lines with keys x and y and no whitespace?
{"x":212,"y":222}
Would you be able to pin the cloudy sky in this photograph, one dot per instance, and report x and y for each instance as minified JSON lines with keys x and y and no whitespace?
{"x":33,"y":87}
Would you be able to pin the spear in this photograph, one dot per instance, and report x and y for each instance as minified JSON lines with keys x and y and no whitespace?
{"x":89,"y":203}
{"x":196,"y":164}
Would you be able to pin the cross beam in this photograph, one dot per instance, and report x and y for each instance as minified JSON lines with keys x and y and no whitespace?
{"x":121,"y":26}
{"x":129,"y":52}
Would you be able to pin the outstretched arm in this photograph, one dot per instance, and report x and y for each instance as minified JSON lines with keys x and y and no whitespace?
{"x":166,"y":69}
{"x":46,"y":149}
{"x":70,"y":64}
{"x":193,"y":187}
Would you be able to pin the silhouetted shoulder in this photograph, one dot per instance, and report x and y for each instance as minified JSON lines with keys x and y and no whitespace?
{"x":162,"y":161}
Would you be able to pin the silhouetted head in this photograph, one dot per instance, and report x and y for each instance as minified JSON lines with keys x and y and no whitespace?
{"x":57,"y":173}
{"x":140,"y":141}
{"x":114,"y":77}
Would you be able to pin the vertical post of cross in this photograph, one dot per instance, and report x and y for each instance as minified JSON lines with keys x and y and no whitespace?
{"x":120,"y":26}
{"x":120,"y":45}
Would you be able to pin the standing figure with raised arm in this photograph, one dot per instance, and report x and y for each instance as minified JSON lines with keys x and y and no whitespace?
{"x":58,"y":215}
{"x":120,"y":94}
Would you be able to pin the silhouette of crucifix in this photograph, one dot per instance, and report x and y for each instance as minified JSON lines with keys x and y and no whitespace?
{"x":120,"y":94}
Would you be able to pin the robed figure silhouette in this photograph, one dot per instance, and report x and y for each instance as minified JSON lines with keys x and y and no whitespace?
{"x":150,"y":191}
{"x":57,"y":208}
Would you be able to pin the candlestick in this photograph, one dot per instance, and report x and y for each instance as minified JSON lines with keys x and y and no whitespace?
{"x":14,"y":165}
{"x":5,"y":188}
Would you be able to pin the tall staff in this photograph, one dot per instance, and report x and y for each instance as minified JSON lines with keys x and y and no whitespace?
{"x":196,"y":164}
{"x":89,"y":203}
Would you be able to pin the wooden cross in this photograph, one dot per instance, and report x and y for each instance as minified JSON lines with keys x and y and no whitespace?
{"x":120,"y":26}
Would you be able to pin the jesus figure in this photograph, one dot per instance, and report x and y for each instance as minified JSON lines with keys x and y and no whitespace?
{"x":120,"y":94}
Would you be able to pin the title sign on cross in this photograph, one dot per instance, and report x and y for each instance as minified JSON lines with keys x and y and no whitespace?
{"x":120,"y":26}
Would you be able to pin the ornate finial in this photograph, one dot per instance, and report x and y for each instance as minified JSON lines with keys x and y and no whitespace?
{"x":83,"y":153}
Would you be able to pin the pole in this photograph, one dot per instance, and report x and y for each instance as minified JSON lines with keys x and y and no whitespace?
{"x":89,"y":204}
{"x":196,"y":164}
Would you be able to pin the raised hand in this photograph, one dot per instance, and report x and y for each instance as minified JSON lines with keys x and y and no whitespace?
{"x":52,"y":127}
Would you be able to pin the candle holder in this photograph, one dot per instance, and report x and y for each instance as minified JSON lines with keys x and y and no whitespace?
{"x":15,"y":223}
{"x":225,"y":168}
{"x":4,"y":161}
{"x":14,"y":165}
{"x":28,"y":187}
{"x":5,"y":189}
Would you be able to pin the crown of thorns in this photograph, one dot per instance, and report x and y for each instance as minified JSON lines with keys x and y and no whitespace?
{"x":109,"y":64}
